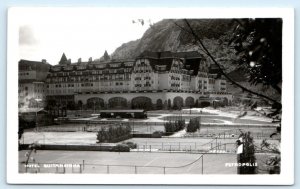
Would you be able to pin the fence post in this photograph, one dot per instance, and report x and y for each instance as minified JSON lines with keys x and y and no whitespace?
{"x":82,"y":164}
{"x":202,"y":164}
{"x":39,"y":170}
{"x":164,"y":170}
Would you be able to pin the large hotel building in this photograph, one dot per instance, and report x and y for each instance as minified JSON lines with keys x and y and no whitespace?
{"x":154,"y":80}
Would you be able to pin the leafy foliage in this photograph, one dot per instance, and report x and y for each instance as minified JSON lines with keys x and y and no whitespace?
{"x":274,"y":162}
{"x":121,"y":148}
{"x":131,"y":145}
{"x":112,"y":134}
{"x":157,"y":134}
{"x":193,"y":125}
{"x":171,"y":127}
{"x":258,"y":42}
{"x":248,"y":155}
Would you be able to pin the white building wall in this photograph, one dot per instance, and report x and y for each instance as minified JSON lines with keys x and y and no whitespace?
{"x":23,"y":75}
{"x":194,"y":81}
{"x":163,"y":81}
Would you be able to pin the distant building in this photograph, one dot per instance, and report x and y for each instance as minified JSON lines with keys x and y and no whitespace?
{"x":32,"y":89}
{"x":153,"y":80}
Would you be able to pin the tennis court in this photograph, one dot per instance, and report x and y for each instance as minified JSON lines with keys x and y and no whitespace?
{"x":127,"y":163}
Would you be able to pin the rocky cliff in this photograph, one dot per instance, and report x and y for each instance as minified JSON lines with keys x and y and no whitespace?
{"x":170,"y":35}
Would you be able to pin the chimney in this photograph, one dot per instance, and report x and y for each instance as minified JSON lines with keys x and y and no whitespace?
{"x":79,"y":60}
{"x":69,"y":61}
{"x":44,"y":61}
{"x":90,"y":59}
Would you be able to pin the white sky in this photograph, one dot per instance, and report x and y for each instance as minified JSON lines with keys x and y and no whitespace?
{"x":47,"y":33}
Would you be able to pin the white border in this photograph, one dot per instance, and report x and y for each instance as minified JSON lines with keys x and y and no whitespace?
{"x":287,"y":143}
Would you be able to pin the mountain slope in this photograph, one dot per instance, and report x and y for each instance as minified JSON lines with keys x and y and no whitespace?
{"x":167,"y":35}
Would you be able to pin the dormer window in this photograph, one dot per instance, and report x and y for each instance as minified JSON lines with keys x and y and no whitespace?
{"x":161,"y":67}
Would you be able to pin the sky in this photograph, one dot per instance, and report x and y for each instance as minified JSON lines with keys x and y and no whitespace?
{"x":47,"y":34}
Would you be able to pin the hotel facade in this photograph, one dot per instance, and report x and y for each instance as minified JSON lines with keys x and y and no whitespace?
{"x":31,"y":87}
{"x":154,"y":80}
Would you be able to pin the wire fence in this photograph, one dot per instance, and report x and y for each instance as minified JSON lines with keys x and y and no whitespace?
{"x":149,"y":129}
{"x":187,"y":147}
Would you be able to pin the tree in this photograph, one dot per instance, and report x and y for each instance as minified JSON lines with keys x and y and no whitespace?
{"x":259,"y":44}
{"x":193,"y":125}
{"x":247,"y":157}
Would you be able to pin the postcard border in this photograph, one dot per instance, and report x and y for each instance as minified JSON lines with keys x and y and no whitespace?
{"x":287,"y":146}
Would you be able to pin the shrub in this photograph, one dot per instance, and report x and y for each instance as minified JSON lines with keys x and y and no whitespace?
{"x":193,"y":125}
{"x":157,"y":134}
{"x":171,"y":127}
{"x":131,"y":145}
{"x":121,"y":148}
{"x":112,"y":134}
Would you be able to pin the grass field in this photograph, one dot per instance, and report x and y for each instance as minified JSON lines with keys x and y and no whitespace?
{"x":130,"y":163}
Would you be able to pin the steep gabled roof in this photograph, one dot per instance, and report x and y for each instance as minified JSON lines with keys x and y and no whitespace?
{"x":63,"y":59}
{"x":192,"y":59}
